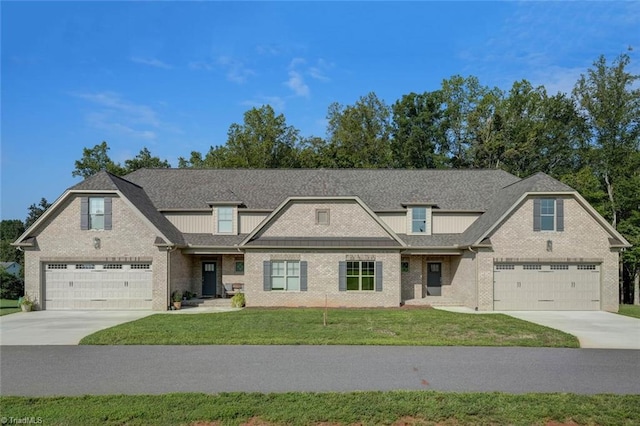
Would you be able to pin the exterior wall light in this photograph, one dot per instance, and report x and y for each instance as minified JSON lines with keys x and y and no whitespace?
{"x":96,"y":243}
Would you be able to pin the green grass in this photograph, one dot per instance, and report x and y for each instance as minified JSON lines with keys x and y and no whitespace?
{"x":399,"y":326}
{"x":630,"y":310}
{"x":8,"y":306}
{"x":367,"y":408}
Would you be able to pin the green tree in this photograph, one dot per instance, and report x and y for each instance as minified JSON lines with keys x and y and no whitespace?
{"x":418,"y":133}
{"x":10,"y":230}
{"x":264,"y":140}
{"x":611,"y":108}
{"x":95,"y":160}
{"x":539,"y":133}
{"x":359,"y":135}
{"x":35,"y":211}
{"x":145,"y":160}
{"x":313,"y":153}
{"x":461,"y":97}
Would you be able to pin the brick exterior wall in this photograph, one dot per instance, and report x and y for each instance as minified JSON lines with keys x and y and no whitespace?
{"x":61,"y":239}
{"x":347,"y":219}
{"x":322,"y":280}
{"x":583,"y":237}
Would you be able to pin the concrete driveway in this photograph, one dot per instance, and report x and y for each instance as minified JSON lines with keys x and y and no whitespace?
{"x":594,"y":329}
{"x":59,"y":327}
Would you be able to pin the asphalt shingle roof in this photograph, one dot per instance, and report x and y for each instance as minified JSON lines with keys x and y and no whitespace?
{"x":492,"y":191}
{"x":380,"y":189}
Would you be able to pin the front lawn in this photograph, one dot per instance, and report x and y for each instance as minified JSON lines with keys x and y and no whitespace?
{"x":395,"y":326}
{"x":630,"y":310}
{"x":8,"y":306}
{"x":363,"y":408}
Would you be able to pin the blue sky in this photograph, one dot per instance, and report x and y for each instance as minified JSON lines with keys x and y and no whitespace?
{"x":173,"y":76}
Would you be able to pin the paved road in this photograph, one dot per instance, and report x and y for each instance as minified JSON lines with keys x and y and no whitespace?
{"x":78,"y":370}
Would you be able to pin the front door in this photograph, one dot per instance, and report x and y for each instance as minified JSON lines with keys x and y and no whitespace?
{"x":209,"y":279}
{"x":434,"y":279}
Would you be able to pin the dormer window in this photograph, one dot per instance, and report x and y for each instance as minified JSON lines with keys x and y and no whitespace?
{"x":419,"y":220}
{"x":225,"y":220}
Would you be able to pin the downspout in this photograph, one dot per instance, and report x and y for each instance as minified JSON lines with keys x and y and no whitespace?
{"x":477,"y":283}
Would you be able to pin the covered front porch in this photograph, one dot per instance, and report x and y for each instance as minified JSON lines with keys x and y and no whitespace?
{"x":430,"y":280}
{"x":207,"y":275}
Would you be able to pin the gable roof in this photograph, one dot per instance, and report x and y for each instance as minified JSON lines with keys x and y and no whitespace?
{"x":510,"y":197}
{"x":104,"y":182}
{"x":255,"y":237}
{"x":505,"y":199}
{"x":380,"y":189}
{"x":494,"y":192}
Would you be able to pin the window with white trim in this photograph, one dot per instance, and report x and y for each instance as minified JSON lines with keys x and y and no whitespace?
{"x":419,"y":220}
{"x":285,"y":275}
{"x":547,"y":214}
{"x":361,"y":275}
{"x":96,"y":213}
{"x":225,"y":220}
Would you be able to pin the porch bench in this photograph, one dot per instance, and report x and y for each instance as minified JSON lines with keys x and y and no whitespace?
{"x":233,"y":289}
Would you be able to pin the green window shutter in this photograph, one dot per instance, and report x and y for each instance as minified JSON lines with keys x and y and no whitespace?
{"x":378,"y":276}
{"x":303,"y":275}
{"x":536,"y":214}
{"x":342,"y":276}
{"x":107,"y":214}
{"x":559,"y":214}
{"x":266,"y":275}
{"x":84,"y":213}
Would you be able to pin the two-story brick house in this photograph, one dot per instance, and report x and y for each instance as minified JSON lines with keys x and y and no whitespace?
{"x":354,"y":238}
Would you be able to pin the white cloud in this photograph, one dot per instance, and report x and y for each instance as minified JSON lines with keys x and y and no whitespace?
{"x":297,"y":84}
{"x":236,"y":70}
{"x":153,"y":62}
{"x":118,"y":115}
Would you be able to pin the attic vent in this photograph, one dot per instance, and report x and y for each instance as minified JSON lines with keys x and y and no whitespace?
{"x":322,"y":216}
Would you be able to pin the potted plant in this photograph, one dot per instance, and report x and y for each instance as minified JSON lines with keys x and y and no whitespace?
{"x":177,"y":299}
{"x":26,"y":303}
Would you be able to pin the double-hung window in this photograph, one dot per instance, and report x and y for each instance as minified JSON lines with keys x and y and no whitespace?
{"x":548,"y":214}
{"x":225,"y":220}
{"x":96,"y":213}
{"x":419,"y":220}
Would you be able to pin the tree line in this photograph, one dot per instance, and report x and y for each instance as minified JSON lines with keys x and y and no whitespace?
{"x":589,"y":139}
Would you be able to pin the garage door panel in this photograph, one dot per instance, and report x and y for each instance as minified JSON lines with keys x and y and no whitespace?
{"x":88,"y":286}
{"x":542,"y":286}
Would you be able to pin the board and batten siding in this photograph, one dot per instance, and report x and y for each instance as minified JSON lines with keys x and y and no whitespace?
{"x":396,"y":221}
{"x":250,"y":221}
{"x":192,"y":222}
{"x":452,"y":223}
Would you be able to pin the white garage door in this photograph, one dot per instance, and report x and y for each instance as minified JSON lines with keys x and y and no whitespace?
{"x":98,"y":286}
{"x":546,"y":287}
